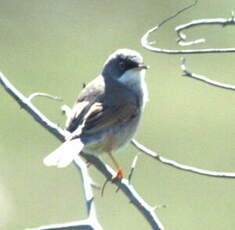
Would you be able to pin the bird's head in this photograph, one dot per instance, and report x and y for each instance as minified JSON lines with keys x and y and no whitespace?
{"x":122,"y":61}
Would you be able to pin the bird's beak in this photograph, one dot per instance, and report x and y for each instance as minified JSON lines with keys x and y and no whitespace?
{"x":142,"y":66}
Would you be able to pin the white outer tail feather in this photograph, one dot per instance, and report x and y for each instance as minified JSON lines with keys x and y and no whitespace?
{"x":64,"y":154}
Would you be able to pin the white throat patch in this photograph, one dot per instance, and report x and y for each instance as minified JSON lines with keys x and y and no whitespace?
{"x":135,"y":79}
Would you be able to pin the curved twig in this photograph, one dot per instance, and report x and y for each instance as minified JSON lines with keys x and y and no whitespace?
{"x":148,"y":45}
{"x":38,"y":94}
{"x":212,"y":21}
{"x":203,"y":78}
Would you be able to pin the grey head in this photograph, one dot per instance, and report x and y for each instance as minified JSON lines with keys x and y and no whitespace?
{"x":121,"y":61}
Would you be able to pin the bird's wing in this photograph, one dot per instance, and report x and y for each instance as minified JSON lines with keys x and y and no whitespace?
{"x":89,"y":95}
{"x":99,"y":107}
{"x":100,"y":116}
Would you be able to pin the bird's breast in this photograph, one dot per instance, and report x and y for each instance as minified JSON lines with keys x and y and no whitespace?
{"x":113,"y":138}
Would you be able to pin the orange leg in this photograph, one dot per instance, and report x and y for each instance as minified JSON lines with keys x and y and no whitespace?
{"x":120,"y":173}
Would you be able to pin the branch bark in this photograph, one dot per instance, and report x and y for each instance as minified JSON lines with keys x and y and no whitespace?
{"x":180,"y":166}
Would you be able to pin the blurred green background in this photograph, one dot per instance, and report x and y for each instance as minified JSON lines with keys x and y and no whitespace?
{"x":54,"y":46}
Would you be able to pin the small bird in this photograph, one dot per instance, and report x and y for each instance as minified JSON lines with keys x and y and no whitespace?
{"x":107,"y":112}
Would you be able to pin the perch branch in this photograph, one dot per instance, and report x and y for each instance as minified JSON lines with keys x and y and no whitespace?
{"x":91,"y":223}
{"x":131,"y":171}
{"x":181,"y":37}
{"x":202,"y":78}
{"x":180,"y":166}
{"x":88,"y":192}
{"x":146,"y":210}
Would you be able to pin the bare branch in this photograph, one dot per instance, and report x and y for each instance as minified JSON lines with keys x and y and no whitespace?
{"x":181,"y":40}
{"x":32,"y":110}
{"x":148,"y":45}
{"x":38,"y":94}
{"x":91,"y":223}
{"x":215,"y":21}
{"x":87,"y":187}
{"x":146,"y":210}
{"x":190,"y":43}
{"x":177,"y":165}
{"x":127,"y":189}
{"x":132,"y":169}
{"x":202,"y":78}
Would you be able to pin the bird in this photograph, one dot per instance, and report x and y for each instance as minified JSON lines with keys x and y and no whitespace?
{"x":107,"y":112}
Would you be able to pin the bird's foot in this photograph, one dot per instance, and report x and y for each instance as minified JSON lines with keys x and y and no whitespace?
{"x":119,"y":175}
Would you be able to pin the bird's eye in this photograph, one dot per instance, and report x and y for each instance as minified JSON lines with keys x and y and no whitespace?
{"x":122,"y":65}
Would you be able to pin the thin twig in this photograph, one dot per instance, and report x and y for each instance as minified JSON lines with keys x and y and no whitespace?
{"x":38,"y":94}
{"x":32,"y":110}
{"x":132,"y":169}
{"x":104,"y":186}
{"x":180,"y":166}
{"x":213,"y":21}
{"x":148,"y":45}
{"x":203,"y":78}
{"x":190,"y":43}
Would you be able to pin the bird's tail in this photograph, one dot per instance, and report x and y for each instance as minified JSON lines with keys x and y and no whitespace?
{"x":64,"y":154}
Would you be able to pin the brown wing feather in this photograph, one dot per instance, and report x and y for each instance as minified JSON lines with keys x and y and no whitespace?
{"x":102,"y":117}
{"x":89,"y":95}
{"x":73,"y":121}
{"x":98,"y":108}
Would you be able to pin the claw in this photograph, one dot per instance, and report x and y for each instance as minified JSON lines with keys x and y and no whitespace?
{"x":119,"y":175}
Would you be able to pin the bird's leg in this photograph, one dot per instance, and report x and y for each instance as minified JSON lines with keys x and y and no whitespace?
{"x":120,"y":173}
